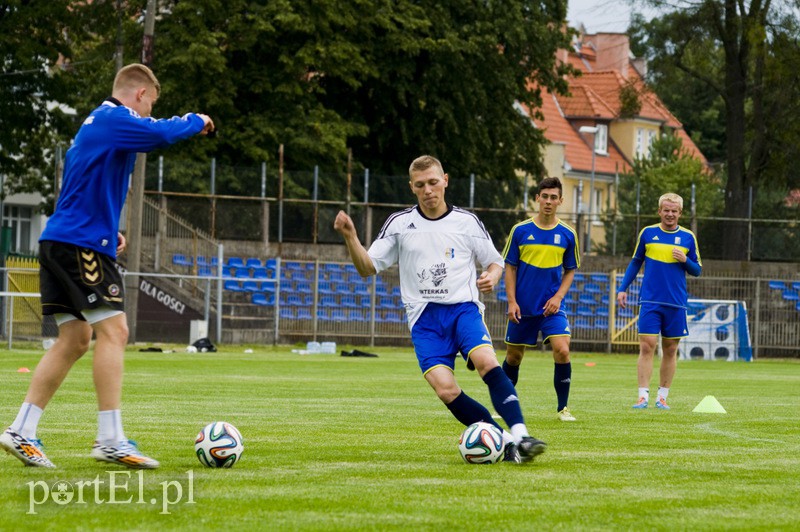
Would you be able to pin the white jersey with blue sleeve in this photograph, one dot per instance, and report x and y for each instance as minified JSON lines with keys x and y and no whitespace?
{"x":436,"y":258}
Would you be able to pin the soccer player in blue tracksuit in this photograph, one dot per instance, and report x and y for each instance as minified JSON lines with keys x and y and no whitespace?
{"x":668,"y":252}
{"x":541,"y":256}
{"x":79,"y":282}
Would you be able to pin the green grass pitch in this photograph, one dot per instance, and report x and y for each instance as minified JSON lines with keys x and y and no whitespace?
{"x":335,"y":443}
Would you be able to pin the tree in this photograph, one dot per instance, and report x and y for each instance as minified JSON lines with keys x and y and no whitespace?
{"x":729,"y":46}
{"x":668,"y":168}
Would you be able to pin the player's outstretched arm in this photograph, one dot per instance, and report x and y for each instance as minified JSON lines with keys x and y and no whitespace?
{"x":343,"y":225}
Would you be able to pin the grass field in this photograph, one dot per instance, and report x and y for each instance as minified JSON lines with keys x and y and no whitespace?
{"x":336,"y":443}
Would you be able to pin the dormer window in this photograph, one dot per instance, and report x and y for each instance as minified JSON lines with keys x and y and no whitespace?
{"x":601,"y":139}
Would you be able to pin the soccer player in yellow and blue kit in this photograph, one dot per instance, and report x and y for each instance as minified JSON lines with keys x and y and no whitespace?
{"x":668,"y":252}
{"x":537,"y":251}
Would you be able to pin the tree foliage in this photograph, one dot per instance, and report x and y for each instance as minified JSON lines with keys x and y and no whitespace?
{"x":667,"y":168}
{"x":738,"y":52}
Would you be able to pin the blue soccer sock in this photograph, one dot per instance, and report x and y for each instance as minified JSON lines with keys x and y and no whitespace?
{"x":504,"y":396}
{"x":468,"y":411}
{"x":511,"y":371}
{"x":562,"y":376}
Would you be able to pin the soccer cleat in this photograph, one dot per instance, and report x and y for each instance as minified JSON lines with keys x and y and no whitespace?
{"x":125,"y":453}
{"x":641,"y":404}
{"x":661,"y":403}
{"x":27,"y":451}
{"x":565,"y":415}
{"x":524,"y":451}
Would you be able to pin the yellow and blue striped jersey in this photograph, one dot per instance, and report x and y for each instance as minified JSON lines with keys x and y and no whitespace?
{"x":664,"y":280}
{"x":540,"y":255}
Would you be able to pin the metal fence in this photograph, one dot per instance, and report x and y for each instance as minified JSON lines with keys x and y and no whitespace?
{"x":301,"y":301}
{"x":273,"y":204}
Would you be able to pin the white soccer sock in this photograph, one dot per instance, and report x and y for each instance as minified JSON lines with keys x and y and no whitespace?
{"x":644,"y":392}
{"x":27,"y":421}
{"x":109,"y":427}
{"x":507,"y":437}
{"x":663,"y":393}
{"x":518,"y":432}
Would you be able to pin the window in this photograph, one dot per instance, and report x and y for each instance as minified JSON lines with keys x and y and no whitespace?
{"x":651,"y":138}
{"x":19,"y":220}
{"x":576,"y":202}
{"x":601,"y":139}
{"x":597,"y":206}
{"x":640,"y":147}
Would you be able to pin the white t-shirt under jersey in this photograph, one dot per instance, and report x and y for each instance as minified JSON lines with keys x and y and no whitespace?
{"x":436,"y":257}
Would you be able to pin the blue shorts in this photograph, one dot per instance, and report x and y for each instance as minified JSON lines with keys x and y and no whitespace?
{"x":526,"y":332}
{"x":669,"y":322}
{"x":443,"y":331}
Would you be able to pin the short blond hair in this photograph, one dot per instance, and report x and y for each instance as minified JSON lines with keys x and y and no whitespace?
{"x":422,"y":163}
{"x":135,"y":76}
{"x":671,"y":197}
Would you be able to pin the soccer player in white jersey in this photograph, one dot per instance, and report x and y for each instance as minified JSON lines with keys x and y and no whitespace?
{"x":668,"y":252}
{"x":436,"y":246}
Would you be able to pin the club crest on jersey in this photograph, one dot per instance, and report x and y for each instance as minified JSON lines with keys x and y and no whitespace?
{"x":677,"y":240}
{"x":556,"y":239}
{"x":449,"y":253}
{"x":113,"y":290}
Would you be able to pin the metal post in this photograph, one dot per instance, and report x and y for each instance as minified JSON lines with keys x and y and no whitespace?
{"x":616,"y":214}
{"x":638,"y":204}
{"x":160,"y":174}
{"x":525,"y":193}
{"x":220,"y":254}
{"x":280,"y":194}
{"x":694,"y":208}
{"x":264,"y":179}
{"x":213,"y":197}
{"x":471,"y":191}
{"x":749,"y":223}
{"x":315,"y":197}
{"x":591,"y":204}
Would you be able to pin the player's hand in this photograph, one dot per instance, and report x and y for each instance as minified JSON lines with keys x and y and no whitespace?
{"x":679,"y":255}
{"x":622,"y":299}
{"x":122,"y":243}
{"x":552,"y":305}
{"x":208,"y":124}
{"x":343,"y":224}
{"x":486,"y":282}
{"x":514,"y":313}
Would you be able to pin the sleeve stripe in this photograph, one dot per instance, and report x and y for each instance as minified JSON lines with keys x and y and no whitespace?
{"x":390,"y":219}
{"x":475,"y":216}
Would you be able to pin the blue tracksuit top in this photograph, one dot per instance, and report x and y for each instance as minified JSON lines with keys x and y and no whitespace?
{"x":97,"y":171}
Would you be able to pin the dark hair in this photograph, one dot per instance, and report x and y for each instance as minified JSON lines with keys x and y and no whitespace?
{"x":550,"y":182}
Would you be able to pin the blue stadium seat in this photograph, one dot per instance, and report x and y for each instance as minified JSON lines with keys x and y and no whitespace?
{"x":350,"y":269}
{"x":332,"y":267}
{"x":322,"y":314}
{"x":361,"y":288}
{"x":336,"y":277}
{"x":287,"y":313}
{"x":592,"y":288}
{"x":774,"y":285}
{"x":601,"y":323}
{"x":304,"y":313}
{"x":292,"y":266}
{"x":599,"y":278}
{"x":228,"y":271}
{"x":338,"y":314}
{"x":202,"y":261}
{"x":586,"y":299}
{"x":393,"y":317}
{"x":572,"y":297}
{"x":579,"y":277}
{"x":252,"y":262}
{"x":790,"y":295}
{"x":260,"y":272}
{"x":796,"y":285}
{"x":625,"y":312}
{"x":261,"y":299}
{"x":601,"y":311}
{"x":266,"y":286}
{"x":364,"y":302}
{"x":604,"y":299}
{"x":251,"y":286}
{"x":235,"y":262}
{"x":356,"y":315}
{"x":342,"y":288}
{"x":583,"y":323}
{"x":569,"y":308}
{"x":325,"y":287}
{"x":287,"y":286}
{"x":798,"y":307}
{"x":350,"y":302}
{"x":328,"y":301}
{"x":396,"y":291}
{"x":205,"y":271}
{"x":304,"y":287}
{"x":232,"y":286}
{"x":181,"y":260}
{"x":585,"y":311}
{"x":381,"y":289}
{"x":292,"y":300}
{"x":242,"y":273}
{"x":386,"y":302}
{"x":502,"y":296}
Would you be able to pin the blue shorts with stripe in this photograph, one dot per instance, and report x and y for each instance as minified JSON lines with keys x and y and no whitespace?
{"x":526,"y":332}
{"x":443,"y":331}
{"x":668,"y":321}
